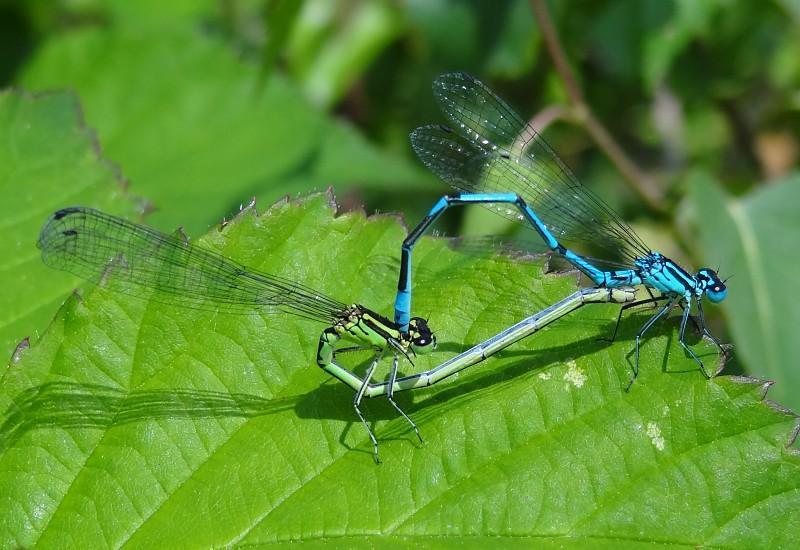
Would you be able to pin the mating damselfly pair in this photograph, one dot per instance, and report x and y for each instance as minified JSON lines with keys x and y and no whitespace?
{"x":492,"y":157}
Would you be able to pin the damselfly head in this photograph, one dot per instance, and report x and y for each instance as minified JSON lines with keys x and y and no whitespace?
{"x":422,"y":338}
{"x":714,"y":287}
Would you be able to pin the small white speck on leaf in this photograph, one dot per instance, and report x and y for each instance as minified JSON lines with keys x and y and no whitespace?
{"x":654,"y":433}
{"x":543,"y":376}
{"x":574,"y":375}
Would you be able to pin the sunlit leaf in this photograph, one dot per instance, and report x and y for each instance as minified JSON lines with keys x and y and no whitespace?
{"x":48,"y":159}
{"x":132,"y":423}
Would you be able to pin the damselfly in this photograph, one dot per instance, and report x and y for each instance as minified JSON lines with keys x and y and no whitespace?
{"x":505,"y":338}
{"x":140,"y":261}
{"x":493,"y":157}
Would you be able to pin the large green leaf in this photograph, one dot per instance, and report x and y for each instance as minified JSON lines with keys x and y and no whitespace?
{"x":48,"y":159}
{"x":753,"y":240}
{"x":197,"y":130}
{"x":132,"y":423}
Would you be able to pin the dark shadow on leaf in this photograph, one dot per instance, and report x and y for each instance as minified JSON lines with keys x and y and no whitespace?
{"x":307,"y":406}
{"x":339,"y":397}
{"x":68,"y":405}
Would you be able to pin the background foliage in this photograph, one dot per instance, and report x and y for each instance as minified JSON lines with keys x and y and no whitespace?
{"x":208,"y":103}
{"x":684,"y":115}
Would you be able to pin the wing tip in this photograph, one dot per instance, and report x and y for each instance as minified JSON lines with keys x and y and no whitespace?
{"x":445,"y":84}
{"x":455,"y":77}
{"x":64,"y":212}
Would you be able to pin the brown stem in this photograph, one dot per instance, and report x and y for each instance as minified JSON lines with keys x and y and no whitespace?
{"x":647,"y":188}
{"x":556,"y":51}
{"x":547,"y":116}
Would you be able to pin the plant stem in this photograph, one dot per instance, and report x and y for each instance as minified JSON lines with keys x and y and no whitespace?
{"x":644,"y":185}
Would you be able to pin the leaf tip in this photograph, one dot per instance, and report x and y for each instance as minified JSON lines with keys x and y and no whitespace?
{"x":20,"y":350}
{"x":395,"y":216}
{"x":761,"y":387}
{"x":181,"y":235}
{"x":76,"y":296}
{"x":777,"y":407}
{"x":330,"y":198}
{"x":144,"y":207}
{"x":249,"y":210}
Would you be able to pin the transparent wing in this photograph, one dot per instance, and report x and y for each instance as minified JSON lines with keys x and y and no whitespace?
{"x":134,"y":259}
{"x":486,"y":246}
{"x":492,"y":150}
{"x":514,"y":247}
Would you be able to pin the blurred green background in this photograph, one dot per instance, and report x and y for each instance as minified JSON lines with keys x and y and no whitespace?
{"x":682,"y":114}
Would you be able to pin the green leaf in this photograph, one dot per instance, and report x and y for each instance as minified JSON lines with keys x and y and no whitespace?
{"x":489,"y":38}
{"x":517,"y":46}
{"x":194,"y":127}
{"x":614,"y":34}
{"x":752,"y":239}
{"x":279,"y":19}
{"x":690,"y":20}
{"x":462,"y":41}
{"x":355,"y":35}
{"x":345,"y":159}
{"x":133,"y":423}
{"x":150,"y":13}
{"x":48,"y":159}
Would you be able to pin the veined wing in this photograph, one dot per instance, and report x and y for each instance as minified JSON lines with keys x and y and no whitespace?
{"x":137,"y":260}
{"x":492,"y":150}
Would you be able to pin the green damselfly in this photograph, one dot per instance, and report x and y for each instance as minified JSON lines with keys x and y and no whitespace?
{"x":137,"y":260}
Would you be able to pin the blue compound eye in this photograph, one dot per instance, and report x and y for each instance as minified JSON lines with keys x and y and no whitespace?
{"x":716,"y":293}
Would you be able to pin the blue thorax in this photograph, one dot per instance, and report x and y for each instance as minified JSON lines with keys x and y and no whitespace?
{"x":659,"y":272}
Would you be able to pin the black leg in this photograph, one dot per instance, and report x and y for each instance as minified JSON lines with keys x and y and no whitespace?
{"x":652,"y":300}
{"x":390,"y":396}
{"x":357,"y":402}
{"x":722,"y":349}
{"x":681,"y":335}
{"x":650,"y":322}
{"x":704,"y":330}
{"x":693,"y":320}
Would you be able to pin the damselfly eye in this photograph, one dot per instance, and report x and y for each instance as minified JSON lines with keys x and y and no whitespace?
{"x":717,"y":293}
